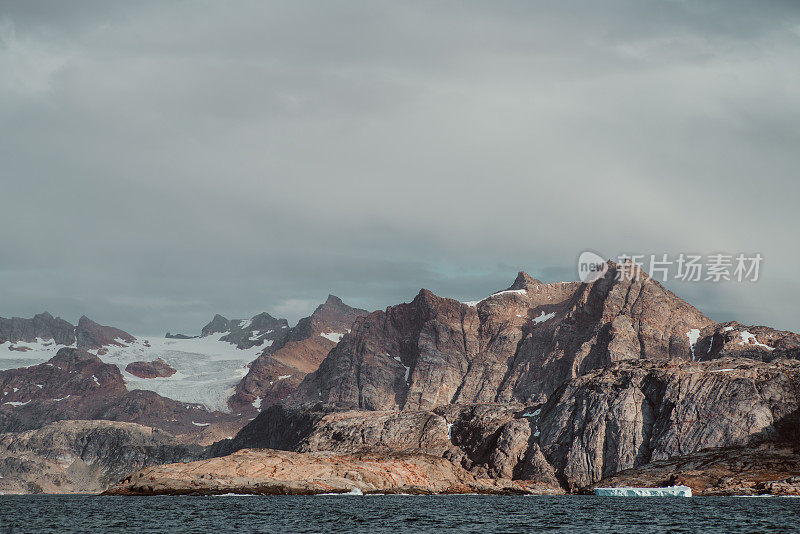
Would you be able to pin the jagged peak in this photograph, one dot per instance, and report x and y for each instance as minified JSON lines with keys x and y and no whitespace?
{"x":524,"y":281}
{"x":266,"y":316}
{"x":333,"y":300}
{"x":217,"y":325}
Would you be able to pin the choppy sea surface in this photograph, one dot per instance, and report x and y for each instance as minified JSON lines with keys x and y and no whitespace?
{"x":395,"y":513}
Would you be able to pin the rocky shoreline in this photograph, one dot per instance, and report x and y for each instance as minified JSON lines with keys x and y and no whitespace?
{"x":271,"y":472}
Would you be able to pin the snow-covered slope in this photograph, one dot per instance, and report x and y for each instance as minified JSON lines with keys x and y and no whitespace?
{"x":14,"y":355}
{"x":207,"y":368}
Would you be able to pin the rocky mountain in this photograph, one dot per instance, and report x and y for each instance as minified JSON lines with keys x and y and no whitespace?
{"x":735,"y":339}
{"x":260,"y":330}
{"x":93,"y":336}
{"x":611,"y":419}
{"x":42,"y":326}
{"x":550,"y":382}
{"x":83,"y":456}
{"x":275,"y":374}
{"x":538,"y":386}
{"x":179,"y":384}
{"x":517,"y":345}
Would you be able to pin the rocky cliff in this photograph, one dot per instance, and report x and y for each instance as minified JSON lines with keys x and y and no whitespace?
{"x":83,"y":456}
{"x":608,"y":420}
{"x":517,"y":345}
{"x":276,"y":373}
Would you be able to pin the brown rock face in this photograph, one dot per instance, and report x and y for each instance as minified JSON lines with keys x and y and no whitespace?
{"x":42,"y":326}
{"x":93,"y":336}
{"x":83,"y":456}
{"x":270,"y":472}
{"x":736,"y":339}
{"x":278,"y":371}
{"x":611,"y":419}
{"x":490,"y":441}
{"x":636,"y":412}
{"x":517,"y":345}
{"x":731,"y":471}
{"x":155,"y":369}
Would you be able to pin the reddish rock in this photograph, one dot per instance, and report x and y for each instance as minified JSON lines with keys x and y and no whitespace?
{"x":158,"y":368}
{"x":517,"y":345}
{"x":270,"y":472}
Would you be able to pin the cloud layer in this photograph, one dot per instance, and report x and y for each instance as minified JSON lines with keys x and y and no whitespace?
{"x":165,"y":161}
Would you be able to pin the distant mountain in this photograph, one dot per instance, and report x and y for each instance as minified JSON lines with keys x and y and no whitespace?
{"x":76,"y":384}
{"x":180,"y":384}
{"x":276,"y":373}
{"x":557,"y":385}
{"x":520,"y":344}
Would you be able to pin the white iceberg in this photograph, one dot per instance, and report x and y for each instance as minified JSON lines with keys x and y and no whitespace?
{"x":671,"y":491}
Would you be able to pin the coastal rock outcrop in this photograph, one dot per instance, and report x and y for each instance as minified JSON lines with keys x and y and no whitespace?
{"x":270,"y":472}
{"x":608,"y":420}
{"x":762,"y":470}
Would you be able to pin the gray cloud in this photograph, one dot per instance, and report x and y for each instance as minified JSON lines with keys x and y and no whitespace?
{"x":165,"y":161}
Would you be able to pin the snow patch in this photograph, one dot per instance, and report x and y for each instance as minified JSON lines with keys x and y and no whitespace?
{"x":693,"y":335}
{"x":544,"y":317}
{"x":284,"y":377}
{"x":750,"y":339}
{"x":16,"y":403}
{"x":200,"y":424}
{"x":408,"y":369}
{"x":32,"y":353}
{"x":333,"y":336}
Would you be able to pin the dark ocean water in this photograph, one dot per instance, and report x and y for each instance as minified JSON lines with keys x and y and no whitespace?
{"x":392,"y":514}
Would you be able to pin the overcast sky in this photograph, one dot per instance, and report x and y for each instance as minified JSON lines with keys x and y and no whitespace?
{"x":160,"y":162}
